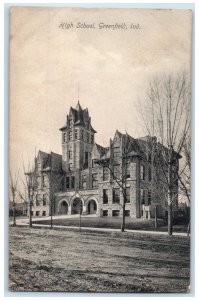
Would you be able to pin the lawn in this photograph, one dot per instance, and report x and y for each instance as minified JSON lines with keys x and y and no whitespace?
{"x":106,"y":222}
{"x":54,"y":260}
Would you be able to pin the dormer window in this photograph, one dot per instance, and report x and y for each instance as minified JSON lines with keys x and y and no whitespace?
{"x":82,"y":134}
{"x":76,"y":134}
{"x":87,"y":137}
{"x":64,"y":137}
{"x":70,"y":135}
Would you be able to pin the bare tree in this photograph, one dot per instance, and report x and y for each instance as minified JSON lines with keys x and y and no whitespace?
{"x":120,"y":175}
{"x":13,"y":185}
{"x":166,"y":115}
{"x":30,"y":186}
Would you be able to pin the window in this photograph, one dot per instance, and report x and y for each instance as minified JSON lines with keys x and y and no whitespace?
{"x":70,"y":167}
{"x":116,"y":151}
{"x":86,"y":160}
{"x":105,"y":196}
{"x":92,"y":139}
{"x":116,"y":171}
{"x":149,"y":174}
{"x":127,"y":195}
{"x":82,"y":134}
{"x":128,"y":170}
{"x":105,"y":173}
{"x":37,"y":213}
{"x":149,"y":197}
{"x":44,"y":213}
{"x":115,"y":213}
{"x":94,"y":181}
{"x":64,"y":137}
{"x":38,"y":182}
{"x":69,"y":154}
{"x":142,"y":172}
{"x":70,"y":123}
{"x":127,"y":213}
{"x":67,"y":182}
{"x":84,"y":181}
{"x":44,"y":179}
{"x":142,"y":196}
{"x":116,"y":195}
{"x":44,"y":200}
{"x":72,"y":182}
{"x":94,"y":164}
{"x":105,"y":213}
{"x":70,"y":135}
{"x":76,"y":134}
{"x":37,"y":200}
{"x":87,"y":137}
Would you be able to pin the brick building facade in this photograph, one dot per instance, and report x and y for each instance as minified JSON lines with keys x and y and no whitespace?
{"x":94,"y":179}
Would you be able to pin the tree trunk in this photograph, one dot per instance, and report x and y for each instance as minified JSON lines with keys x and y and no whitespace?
{"x":123,"y":218}
{"x":14,"y":215}
{"x":51,"y":215}
{"x":30,"y":215}
{"x":188,"y":229}
{"x":156,"y":220}
{"x":170,"y":219}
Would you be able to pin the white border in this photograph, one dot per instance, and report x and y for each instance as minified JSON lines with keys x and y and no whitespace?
{"x":4,"y":151}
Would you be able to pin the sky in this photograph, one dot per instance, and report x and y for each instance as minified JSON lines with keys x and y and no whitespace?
{"x":111,"y":67}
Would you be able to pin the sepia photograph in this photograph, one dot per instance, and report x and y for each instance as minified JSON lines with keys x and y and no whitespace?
{"x":100,"y":150}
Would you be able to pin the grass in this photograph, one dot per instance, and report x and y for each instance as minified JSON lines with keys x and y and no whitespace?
{"x":51,"y":260}
{"x":115,"y":223}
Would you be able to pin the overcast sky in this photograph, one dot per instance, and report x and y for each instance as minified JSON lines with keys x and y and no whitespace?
{"x":112,"y":67}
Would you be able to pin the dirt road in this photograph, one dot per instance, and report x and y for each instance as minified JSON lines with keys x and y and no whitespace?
{"x":53,"y":260}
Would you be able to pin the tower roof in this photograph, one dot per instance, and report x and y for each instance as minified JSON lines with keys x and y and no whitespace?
{"x":78,"y":106}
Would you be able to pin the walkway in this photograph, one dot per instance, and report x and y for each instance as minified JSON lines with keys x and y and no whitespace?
{"x":25,"y":222}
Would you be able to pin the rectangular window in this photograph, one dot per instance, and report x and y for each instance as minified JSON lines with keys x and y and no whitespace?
{"x":38,"y":182}
{"x":70,"y":167}
{"x":149,"y":197}
{"x":128,"y":170}
{"x":149,"y":174}
{"x":142,"y":172}
{"x":84,"y":182}
{"x":69,"y":154}
{"x":37,"y":213}
{"x":44,"y":200}
{"x":67,"y":182}
{"x":116,"y":152}
{"x":105,"y":196}
{"x":70,"y":123}
{"x":127,"y":195}
{"x":87,"y":137}
{"x":116,"y":195}
{"x":94,"y":181}
{"x":94,"y":164}
{"x":116,"y":172}
{"x":76,"y":134}
{"x":64,"y":137}
{"x":37,"y":200}
{"x":115,"y":213}
{"x":105,"y":173}
{"x":82,"y":134}
{"x":86,"y":160}
{"x":44,"y":213}
{"x":105,"y":213}
{"x":92,"y":139}
{"x":44,"y":179}
{"x":72,"y":182}
{"x":127,"y":213}
{"x":70,"y":135}
{"x":142,"y":196}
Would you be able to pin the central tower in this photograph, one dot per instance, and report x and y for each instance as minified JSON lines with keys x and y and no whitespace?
{"x":77,"y":140}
